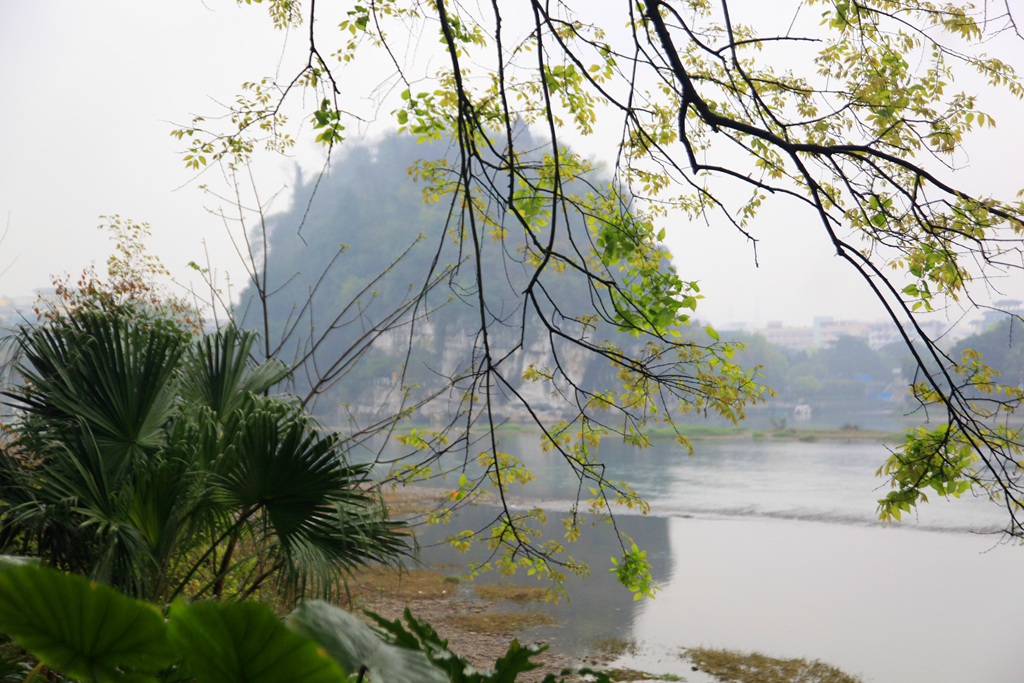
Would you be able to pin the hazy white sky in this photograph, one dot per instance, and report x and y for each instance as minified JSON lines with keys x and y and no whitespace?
{"x":91,"y":91}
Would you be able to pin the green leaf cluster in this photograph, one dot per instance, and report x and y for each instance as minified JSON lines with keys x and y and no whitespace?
{"x":634,"y":572}
{"x":939,"y":459}
{"x":327,"y":121}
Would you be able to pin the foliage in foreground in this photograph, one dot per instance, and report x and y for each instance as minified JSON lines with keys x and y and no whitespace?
{"x":95,"y":634}
{"x":158,"y":463}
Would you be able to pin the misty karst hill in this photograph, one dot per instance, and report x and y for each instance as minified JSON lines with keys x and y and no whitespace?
{"x":351,"y":259}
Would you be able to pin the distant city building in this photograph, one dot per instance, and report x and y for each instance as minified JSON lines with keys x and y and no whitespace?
{"x":14,"y":310}
{"x":825,"y":330}
{"x":8,"y":311}
{"x":1000,"y":311}
{"x":788,"y":337}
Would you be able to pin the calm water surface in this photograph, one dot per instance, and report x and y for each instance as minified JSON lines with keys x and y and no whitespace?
{"x":774,"y":547}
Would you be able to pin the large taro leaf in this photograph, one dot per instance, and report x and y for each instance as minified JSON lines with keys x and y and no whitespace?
{"x":83,"y":629}
{"x":353,"y":643}
{"x":246,"y":643}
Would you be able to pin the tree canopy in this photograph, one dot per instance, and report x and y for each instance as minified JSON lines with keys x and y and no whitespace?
{"x":856,"y":118}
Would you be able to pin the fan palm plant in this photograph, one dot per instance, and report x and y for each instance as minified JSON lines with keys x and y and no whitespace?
{"x":161,"y":465}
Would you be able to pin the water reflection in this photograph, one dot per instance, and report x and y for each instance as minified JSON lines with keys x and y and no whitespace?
{"x":598,"y":607}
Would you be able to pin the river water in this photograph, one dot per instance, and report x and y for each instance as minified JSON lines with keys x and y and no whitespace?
{"x":774,"y":547}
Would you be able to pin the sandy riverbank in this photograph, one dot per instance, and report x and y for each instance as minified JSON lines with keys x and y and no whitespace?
{"x":478,"y":629}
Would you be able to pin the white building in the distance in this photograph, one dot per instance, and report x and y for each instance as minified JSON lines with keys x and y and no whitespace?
{"x":824,"y":331}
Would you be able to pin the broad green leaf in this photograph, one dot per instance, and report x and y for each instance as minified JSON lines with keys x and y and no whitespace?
{"x":353,"y":643}
{"x":246,"y":643}
{"x":85,"y":630}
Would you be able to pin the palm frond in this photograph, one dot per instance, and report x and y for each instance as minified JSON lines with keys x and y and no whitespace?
{"x":316,"y":505}
{"x":218,"y":372}
{"x":98,"y":372}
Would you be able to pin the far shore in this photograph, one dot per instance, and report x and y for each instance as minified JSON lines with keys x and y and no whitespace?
{"x":697,"y":433}
{"x":842,"y":434}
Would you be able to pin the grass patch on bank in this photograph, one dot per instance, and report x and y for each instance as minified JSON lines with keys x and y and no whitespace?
{"x":502,"y":622}
{"x":408,"y":585}
{"x":697,"y":432}
{"x":739,"y":667}
{"x":613,"y":648}
{"x":623,"y":675}
{"x":510,"y":592}
{"x":703,"y":432}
